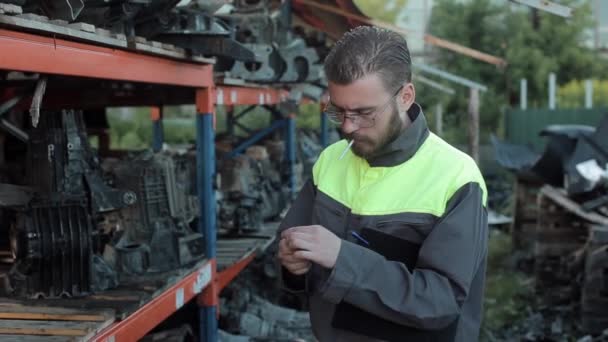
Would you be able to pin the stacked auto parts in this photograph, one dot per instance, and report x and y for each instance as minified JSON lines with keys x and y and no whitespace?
{"x":79,"y":229}
{"x":252,"y":40}
{"x":251,"y":191}
{"x":156,"y":234}
{"x":54,"y":239}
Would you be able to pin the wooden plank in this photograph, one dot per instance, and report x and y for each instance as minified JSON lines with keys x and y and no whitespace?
{"x":53,"y":313}
{"x":560,"y":198}
{"x":102,"y":296}
{"x":98,"y":329}
{"x":23,"y":338}
{"x":34,"y":327}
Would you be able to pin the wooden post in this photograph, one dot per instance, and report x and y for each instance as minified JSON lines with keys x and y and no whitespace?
{"x":474,"y":124}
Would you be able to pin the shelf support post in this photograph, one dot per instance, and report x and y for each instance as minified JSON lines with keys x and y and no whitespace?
{"x":291,"y":153}
{"x":205,"y":174}
{"x":157,"y":128}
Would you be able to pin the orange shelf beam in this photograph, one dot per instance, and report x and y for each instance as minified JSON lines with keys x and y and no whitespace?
{"x":232,"y":95}
{"x":49,"y":55}
{"x":225,"y":276}
{"x":139,"y":323}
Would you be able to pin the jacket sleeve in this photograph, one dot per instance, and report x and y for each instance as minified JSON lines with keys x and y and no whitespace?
{"x":429,"y":296}
{"x":299,"y":214}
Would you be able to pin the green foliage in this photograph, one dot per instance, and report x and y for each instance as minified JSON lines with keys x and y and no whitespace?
{"x":387,"y":11}
{"x":179,"y":130}
{"x":506,"y":289}
{"x":572,"y":94}
{"x":309,"y":116}
{"x":534,"y":43}
{"x":130,"y":128}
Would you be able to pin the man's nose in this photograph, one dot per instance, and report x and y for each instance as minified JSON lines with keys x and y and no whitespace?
{"x":348,"y":126}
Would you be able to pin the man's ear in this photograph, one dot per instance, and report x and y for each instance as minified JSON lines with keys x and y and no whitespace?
{"x":407,"y":96}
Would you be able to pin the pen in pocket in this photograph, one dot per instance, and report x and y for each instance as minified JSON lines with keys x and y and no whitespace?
{"x":359,"y":237}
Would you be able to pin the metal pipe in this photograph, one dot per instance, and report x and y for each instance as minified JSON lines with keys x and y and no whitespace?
{"x":255,"y":138}
{"x":291,"y":153}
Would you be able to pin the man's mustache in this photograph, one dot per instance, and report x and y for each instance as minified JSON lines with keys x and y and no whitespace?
{"x":356,"y":137}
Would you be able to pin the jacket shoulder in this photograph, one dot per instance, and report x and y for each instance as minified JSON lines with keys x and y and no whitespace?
{"x":456,"y":165}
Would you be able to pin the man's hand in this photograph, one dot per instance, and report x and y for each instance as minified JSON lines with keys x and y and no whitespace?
{"x":293,"y":264}
{"x":313,"y":243}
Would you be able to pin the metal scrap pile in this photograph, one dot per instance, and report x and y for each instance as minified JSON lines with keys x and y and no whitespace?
{"x":96,"y":222}
{"x":561,"y":217}
{"x":254,"y":307}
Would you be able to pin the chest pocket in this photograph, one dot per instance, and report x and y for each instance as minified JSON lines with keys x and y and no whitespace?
{"x":413,"y":230}
{"x":330,"y":214}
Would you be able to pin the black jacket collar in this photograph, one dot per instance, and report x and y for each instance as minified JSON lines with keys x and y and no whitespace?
{"x":405,"y":145}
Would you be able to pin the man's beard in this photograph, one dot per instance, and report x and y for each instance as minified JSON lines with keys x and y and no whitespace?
{"x":365,"y":147}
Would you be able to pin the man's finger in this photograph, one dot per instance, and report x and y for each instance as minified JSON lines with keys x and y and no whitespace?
{"x":283,"y":246}
{"x":306,"y":236}
{"x":301,"y":229}
{"x":290,"y":258}
{"x":297,"y":264}
{"x":307,"y":255}
{"x":296,"y":243}
{"x":300,"y":271}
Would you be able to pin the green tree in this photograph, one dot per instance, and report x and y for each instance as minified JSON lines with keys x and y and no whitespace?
{"x":387,"y":11}
{"x":534,"y":43}
{"x":572,"y":94}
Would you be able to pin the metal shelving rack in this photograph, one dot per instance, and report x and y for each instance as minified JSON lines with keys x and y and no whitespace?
{"x":159,"y":80}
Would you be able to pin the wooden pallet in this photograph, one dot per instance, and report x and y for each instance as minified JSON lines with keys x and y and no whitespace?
{"x":525,"y":213}
{"x":19,"y":322}
{"x":79,"y":319}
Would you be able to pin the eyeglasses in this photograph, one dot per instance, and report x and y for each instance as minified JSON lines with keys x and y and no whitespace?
{"x":363,"y":118}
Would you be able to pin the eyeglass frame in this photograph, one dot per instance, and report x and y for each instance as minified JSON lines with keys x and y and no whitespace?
{"x":332,"y":115}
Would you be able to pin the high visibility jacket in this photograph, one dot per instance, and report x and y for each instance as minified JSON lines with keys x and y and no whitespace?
{"x":420,"y":195}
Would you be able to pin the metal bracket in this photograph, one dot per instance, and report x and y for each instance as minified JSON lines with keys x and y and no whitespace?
{"x":7,"y":125}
